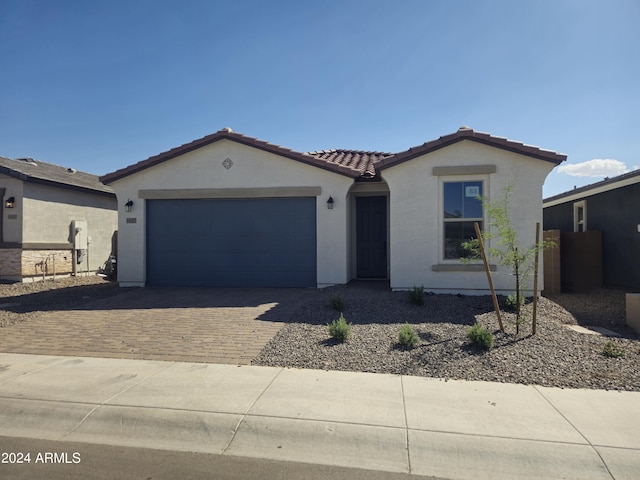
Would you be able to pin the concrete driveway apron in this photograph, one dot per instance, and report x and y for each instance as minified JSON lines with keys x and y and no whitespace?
{"x":213,"y":325}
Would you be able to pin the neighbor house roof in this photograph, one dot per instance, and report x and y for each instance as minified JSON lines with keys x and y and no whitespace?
{"x":605,"y":185}
{"x":352,"y":163}
{"x":37,"y":171}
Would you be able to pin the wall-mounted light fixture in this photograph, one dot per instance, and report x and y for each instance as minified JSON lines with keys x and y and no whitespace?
{"x":10,"y":203}
{"x":330,"y":202}
{"x":128,"y":205}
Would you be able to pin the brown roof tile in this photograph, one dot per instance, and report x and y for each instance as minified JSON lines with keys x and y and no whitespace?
{"x":227,"y":133}
{"x":352,"y":163}
{"x":466,"y":133}
{"x":363,"y":162}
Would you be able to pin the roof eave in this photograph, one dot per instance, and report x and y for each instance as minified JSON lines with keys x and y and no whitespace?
{"x":468,"y":134}
{"x":53,"y":183}
{"x":68,"y":186}
{"x":624,"y":180}
{"x":225,"y":134}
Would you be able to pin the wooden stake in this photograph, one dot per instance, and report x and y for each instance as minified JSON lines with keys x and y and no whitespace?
{"x":535,"y":280}
{"x":496,"y":306}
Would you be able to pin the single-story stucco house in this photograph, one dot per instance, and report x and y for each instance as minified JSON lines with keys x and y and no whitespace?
{"x":232,"y":210}
{"x":55,"y":220}
{"x":611,"y":209}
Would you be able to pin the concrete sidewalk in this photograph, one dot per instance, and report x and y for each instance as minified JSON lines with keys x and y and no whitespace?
{"x":454,"y":429}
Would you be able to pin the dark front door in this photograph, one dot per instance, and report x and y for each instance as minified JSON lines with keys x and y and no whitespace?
{"x":371,"y":237}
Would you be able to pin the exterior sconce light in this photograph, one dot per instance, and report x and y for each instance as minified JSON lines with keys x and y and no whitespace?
{"x":128,"y":205}
{"x":330,"y":202}
{"x":10,"y":203}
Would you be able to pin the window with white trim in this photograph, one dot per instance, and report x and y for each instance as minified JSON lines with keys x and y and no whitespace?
{"x":462,"y":208}
{"x":580,"y":216}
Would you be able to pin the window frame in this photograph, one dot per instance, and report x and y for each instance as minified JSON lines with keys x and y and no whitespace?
{"x":484,"y":181}
{"x":577,"y":206}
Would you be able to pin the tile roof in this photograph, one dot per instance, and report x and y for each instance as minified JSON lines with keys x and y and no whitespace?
{"x":352,"y":163}
{"x":227,"y":133}
{"x":363,"y":162}
{"x":30,"y":170}
{"x":467,"y":133}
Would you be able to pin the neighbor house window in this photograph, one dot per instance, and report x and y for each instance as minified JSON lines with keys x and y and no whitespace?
{"x":462,"y":208}
{"x":580,"y":216}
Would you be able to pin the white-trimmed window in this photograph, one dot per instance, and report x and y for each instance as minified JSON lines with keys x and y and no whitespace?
{"x":580,"y":216}
{"x":462,"y":208}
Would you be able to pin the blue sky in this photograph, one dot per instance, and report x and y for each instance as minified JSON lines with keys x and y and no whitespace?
{"x":99,"y":85}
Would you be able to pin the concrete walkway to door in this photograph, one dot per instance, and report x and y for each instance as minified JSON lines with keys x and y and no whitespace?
{"x":211,"y":325}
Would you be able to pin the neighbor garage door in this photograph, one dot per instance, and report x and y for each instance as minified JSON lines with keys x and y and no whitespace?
{"x":258,"y":242}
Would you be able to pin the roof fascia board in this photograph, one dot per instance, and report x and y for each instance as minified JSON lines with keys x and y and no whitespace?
{"x":232,"y":136}
{"x":67,"y":186}
{"x":445,"y":142}
{"x":52,"y":183}
{"x":572,"y":197}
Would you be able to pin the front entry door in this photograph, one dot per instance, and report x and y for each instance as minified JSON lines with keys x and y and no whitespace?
{"x":371,"y":237}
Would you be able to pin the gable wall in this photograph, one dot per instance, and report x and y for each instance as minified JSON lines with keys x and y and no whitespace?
{"x":252,"y":168}
{"x":416,"y":205}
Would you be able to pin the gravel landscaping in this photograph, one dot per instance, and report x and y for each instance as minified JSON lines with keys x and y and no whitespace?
{"x":556,"y":356}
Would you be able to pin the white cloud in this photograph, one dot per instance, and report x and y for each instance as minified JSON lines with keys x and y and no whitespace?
{"x":598,"y":167}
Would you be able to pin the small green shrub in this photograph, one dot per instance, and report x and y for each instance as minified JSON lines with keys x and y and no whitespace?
{"x":339,"y":329}
{"x":610,"y":350}
{"x":511,"y":301}
{"x":407,"y":338}
{"x":480,"y":336}
{"x":416,"y":295}
{"x":337,"y":302}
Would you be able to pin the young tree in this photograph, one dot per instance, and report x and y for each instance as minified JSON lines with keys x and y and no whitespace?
{"x":505,"y":248}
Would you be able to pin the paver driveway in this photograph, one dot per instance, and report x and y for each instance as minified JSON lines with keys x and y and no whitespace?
{"x":214,"y":325}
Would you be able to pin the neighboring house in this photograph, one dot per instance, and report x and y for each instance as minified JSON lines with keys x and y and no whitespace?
{"x":611,"y":207}
{"x":231,"y":210}
{"x":52,"y":215}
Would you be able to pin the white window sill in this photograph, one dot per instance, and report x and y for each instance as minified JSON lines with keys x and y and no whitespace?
{"x":461,"y":267}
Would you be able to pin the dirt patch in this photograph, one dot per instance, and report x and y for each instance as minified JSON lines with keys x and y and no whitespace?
{"x":21,"y":301}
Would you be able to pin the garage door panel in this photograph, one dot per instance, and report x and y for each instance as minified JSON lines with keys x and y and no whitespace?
{"x":232,"y":242}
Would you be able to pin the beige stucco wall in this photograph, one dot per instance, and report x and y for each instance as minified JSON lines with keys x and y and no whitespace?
{"x":48,"y":213}
{"x":252,"y":168}
{"x":416,"y":218}
{"x":12,"y":217}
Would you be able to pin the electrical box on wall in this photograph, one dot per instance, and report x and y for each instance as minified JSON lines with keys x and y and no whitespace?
{"x":80,"y":234}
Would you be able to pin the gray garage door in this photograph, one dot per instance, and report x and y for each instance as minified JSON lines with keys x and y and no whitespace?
{"x":253,"y":242}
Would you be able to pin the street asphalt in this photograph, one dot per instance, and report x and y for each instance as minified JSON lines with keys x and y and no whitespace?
{"x":387,"y":423}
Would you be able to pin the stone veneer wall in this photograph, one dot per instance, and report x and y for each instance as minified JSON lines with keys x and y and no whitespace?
{"x":37,"y":262}
{"x":10,"y":265}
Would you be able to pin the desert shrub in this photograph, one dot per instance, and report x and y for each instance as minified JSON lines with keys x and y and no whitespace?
{"x":480,"y":336}
{"x":407,"y":338}
{"x":337,"y":302}
{"x":511,"y":302}
{"x":610,"y":350}
{"x":416,"y":295}
{"x":339,"y":329}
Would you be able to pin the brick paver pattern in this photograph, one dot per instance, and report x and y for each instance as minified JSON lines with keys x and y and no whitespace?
{"x":212,"y":325}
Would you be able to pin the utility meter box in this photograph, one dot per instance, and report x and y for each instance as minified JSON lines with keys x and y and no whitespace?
{"x":80,"y":234}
